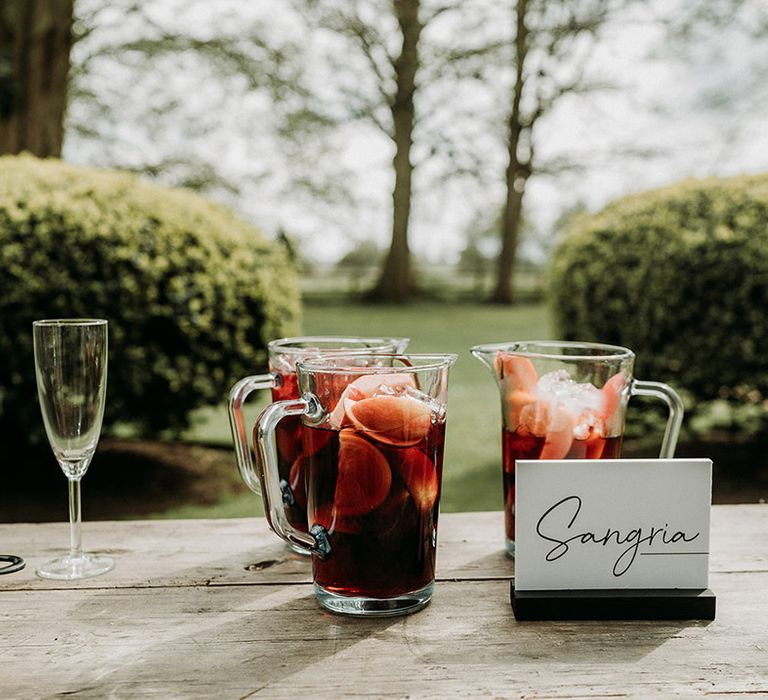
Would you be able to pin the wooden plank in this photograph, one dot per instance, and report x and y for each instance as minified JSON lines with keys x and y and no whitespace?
{"x":239,"y":640}
{"x":160,"y":552}
{"x":738,"y":538}
{"x":244,"y":551}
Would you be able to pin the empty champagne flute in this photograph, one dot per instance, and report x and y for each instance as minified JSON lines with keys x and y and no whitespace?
{"x":71,"y":371}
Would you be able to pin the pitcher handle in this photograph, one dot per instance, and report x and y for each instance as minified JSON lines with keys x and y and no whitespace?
{"x":315,"y":542}
{"x":669,"y":396}
{"x":237,"y":396}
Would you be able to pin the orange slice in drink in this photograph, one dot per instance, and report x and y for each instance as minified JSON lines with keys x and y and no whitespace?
{"x":393,"y":420}
{"x":364,"y":476}
{"x":590,"y":447}
{"x":518,"y":379}
{"x":419,"y":475}
{"x":514,"y":403}
{"x":517,"y":372}
{"x":557,"y":444}
{"x":612,"y":396}
{"x":365,"y":387}
{"x":556,"y":424}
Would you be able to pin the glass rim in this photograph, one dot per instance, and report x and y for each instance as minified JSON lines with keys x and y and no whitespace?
{"x":292,"y":344}
{"x":432,"y":361}
{"x":608,"y":352}
{"x":70,"y":322}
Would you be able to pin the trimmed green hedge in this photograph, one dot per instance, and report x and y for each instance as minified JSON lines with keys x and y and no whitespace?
{"x":192,"y":293}
{"x":680,"y":275}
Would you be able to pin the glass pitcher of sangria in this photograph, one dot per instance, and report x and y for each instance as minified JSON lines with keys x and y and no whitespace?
{"x":566,"y":400}
{"x":373,"y":432}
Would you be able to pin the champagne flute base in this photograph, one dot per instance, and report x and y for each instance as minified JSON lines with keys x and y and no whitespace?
{"x":71,"y":568}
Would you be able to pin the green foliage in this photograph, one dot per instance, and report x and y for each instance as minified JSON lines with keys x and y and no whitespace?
{"x":680,"y":275}
{"x":191,"y":292}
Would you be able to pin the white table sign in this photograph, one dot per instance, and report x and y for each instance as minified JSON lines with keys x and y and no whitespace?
{"x":612,"y":524}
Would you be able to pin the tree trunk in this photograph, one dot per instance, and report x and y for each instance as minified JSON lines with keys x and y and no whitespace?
{"x":35,"y":41}
{"x":395,"y":283}
{"x":516,"y":174}
{"x":503,"y":292}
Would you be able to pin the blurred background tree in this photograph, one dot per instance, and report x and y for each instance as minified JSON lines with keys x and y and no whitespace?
{"x":401,"y":60}
{"x":552,"y":42}
{"x":390,"y":106}
{"x":228,"y":54}
{"x":35,"y":42}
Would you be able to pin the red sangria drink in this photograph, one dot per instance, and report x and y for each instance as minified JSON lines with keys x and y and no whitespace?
{"x":374,"y":495}
{"x":565,"y":400}
{"x":372,"y":450}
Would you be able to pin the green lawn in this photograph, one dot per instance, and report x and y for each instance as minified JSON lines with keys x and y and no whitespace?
{"x":472,"y":472}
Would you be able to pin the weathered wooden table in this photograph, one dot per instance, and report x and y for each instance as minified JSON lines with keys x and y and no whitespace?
{"x":218,"y":608}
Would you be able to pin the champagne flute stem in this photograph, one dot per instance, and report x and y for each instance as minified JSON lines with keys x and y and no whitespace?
{"x":75,"y":536}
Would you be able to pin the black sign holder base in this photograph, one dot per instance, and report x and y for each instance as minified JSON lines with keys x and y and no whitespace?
{"x":629,"y":604}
